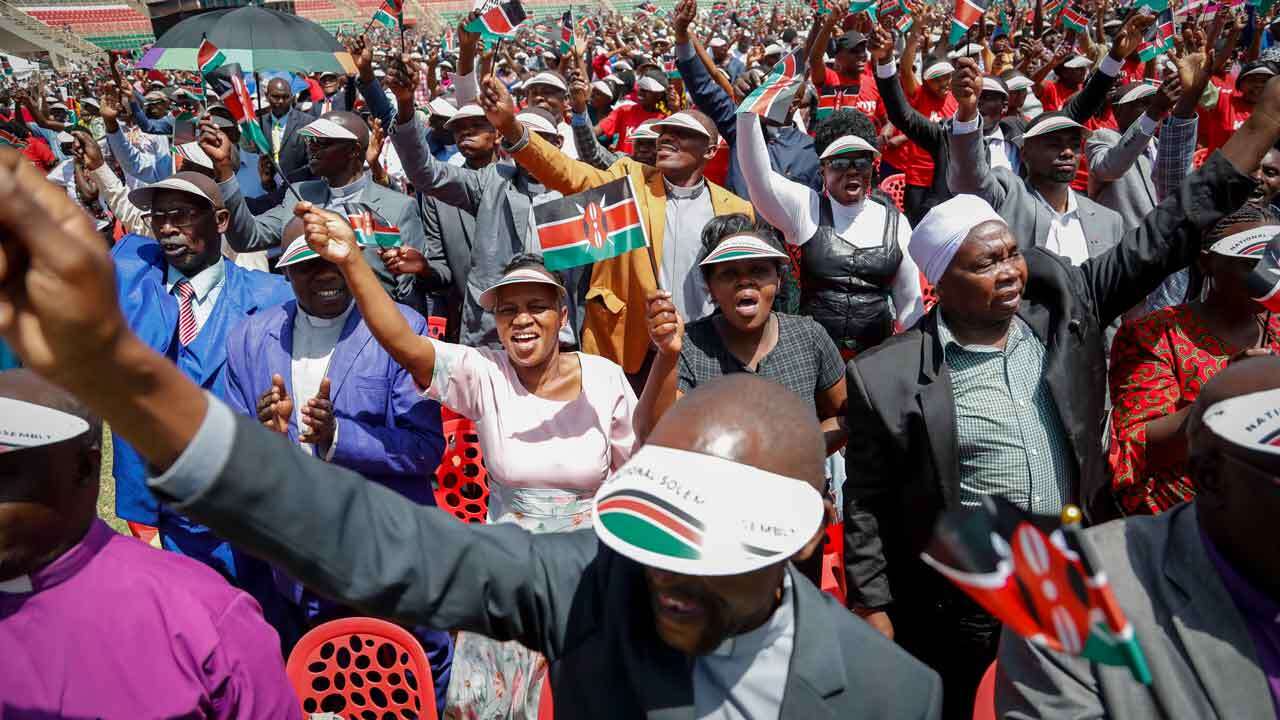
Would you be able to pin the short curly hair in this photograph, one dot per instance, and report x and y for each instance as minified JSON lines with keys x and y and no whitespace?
{"x":722,"y":227}
{"x":840,"y":123}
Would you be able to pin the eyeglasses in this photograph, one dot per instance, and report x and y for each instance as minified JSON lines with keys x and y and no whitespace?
{"x":860,"y":163}
{"x":180,"y":218}
{"x":320,"y":143}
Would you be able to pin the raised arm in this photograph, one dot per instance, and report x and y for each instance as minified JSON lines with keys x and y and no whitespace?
{"x":782,"y":202}
{"x":1176,"y":151}
{"x":970,"y":171}
{"x":918,"y":128}
{"x":114,"y":192}
{"x":590,"y":151}
{"x":367,"y":84}
{"x":818,"y":51}
{"x":245,"y":232}
{"x":907,"y":62}
{"x":1109,"y":162}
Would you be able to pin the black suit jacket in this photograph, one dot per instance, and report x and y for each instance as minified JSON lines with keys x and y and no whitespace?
{"x":902,"y":457}
{"x":933,"y":136}
{"x":565,"y":595}
{"x":293,"y":153}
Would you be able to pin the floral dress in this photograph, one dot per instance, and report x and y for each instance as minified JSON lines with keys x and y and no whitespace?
{"x":544,"y":459}
{"x":1158,"y":366}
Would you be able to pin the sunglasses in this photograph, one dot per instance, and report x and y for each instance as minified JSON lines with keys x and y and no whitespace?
{"x":181,"y":218}
{"x":320,"y":143}
{"x":860,"y":162}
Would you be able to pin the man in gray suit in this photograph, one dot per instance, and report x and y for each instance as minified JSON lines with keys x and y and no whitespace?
{"x":1041,"y":208}
{"x":682,"y":602}
{"x":1133,"y":171}
{"x":280,"y":123}
{"x":1200,"y":583}
{"x":336,"y":147}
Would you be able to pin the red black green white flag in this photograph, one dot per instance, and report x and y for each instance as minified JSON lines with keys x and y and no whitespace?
{"x":772,"y":98}
{"x":209,"y":57}
{"x":1073,"y":19}
{"x":590,"y":226}
{"x":11,"y":140}
{"x":1159,"y":37}
{"x":968,"y":12}
{"x":6,"y":67}
{"x":566,"y":32}
{"x":390,"y":14}
{"x":370,"y":229}
{"x":499,"y":21}
{"x":228,"y":84}
{"x":1044,"y":587}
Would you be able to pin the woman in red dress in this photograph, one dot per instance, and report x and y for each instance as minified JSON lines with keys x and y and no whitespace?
{"x":1160,"y":362}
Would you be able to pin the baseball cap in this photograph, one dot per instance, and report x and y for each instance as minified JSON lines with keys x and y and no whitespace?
{"x":465,"y":112}
{"x":1076,"y":62}
{"x":489,"y":298}
{"x":848,"y":144}
{"x":1135,"y":91}
{"x":192,"y":183}
{"x":994,"y":84}
{"x":1050,"y":122}
{"x":548,"y":78}
{"x":938,"y":70}
{"x":742,"y":246}
{"x":850,"y":40}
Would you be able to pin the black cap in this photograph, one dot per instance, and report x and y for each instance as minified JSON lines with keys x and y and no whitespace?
{"x":850,"y":40}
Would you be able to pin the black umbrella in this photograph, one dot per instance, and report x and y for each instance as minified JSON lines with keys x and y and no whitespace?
{"x":254,"y":37}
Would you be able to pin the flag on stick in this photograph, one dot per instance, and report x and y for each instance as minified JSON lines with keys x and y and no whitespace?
{"x":594,"y":225}
{"x":227,"y":83}
{"x":499,"y":21}
{"x":6,"y":67}
{"x":389,"y":15}
{"x":370,"y":229}
{"x":1073,"y":19}
{"x":1158,"y":38}
{"x":1042,"y":587}
{"x":209,"y":57}
{"x":566,"y":32}
{"x":773,"y":97}
{"x":967,"y":13}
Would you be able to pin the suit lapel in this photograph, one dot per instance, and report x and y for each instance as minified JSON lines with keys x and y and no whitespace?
{"x":937,"y":407}
{"x":817,"y":668}
{"x":1211,"y":630}
{"x":1090,"y":224}
{"x":355,"y":335}
{"x":294,"y":122}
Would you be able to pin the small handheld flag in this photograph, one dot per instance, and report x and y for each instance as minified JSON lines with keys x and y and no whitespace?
{"x":209,"y":57}
{"x":6,"y":67}
{"x":1043,"y":587}
{"x":389,"y":15}
{"x":228,"y":84}
{"x":370,"y":229}
{"x":1073,"y":19}
{"x":772,"y":98}
{"x":968,"y":12}
{"x":1159,"y":37}
{"x":499,"y":21}
{"x":566,"y":32}
{"x":594,"y":225}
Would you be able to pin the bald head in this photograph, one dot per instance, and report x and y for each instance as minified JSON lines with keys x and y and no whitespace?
{"x":748,"y":420}
{"x":353,"y":123}
{"x":277,"y":84}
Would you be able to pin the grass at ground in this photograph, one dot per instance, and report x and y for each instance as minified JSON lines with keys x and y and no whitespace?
{"x":107,"y":488}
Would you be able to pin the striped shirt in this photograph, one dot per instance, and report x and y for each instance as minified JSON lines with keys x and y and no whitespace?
{"x":1009,"y":435}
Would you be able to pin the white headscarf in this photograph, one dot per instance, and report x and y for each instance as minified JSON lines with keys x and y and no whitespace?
{"x":939,"y":235}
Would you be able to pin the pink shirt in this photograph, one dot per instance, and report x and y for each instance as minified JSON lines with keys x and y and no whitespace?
{"x":531,"y":443}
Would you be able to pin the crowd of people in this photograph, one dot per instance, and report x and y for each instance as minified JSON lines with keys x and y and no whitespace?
{"x":1015,"y":265}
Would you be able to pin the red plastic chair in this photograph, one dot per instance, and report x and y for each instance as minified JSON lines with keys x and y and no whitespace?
{"x":895,"y":186}
{"x":363,"y":669}
{"x":984,"y":704}
{"x":436,"y":326}
{"x":930,"y":297}
{"x":462,"y":486}
{"x":1198,"y":157}
{"x":833,"y":563}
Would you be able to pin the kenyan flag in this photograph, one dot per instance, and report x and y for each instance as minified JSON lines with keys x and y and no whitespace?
{"x":499,"y":21}
{"x":566,"y":32}
{"x":650,"y":523}
{"x":591,"y":226}
{"x":6,"y":67}
{"x":967,"y":13}
{"x":209,"y":57}
{"x":1073,"y":19}
{"x":1159,"y":37}
{"x":390,"y":15}
{"x":835,"y":99}
{"x":772,"y":98}
{"x":370,"y":229}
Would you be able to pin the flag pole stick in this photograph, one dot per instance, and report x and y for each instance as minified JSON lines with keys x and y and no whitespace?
{"x":653,"y":263}
{"x":1266,"y":331}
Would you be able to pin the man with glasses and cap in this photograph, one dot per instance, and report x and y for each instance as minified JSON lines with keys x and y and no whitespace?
{"x":100,"y":625}
{"x":182,"y":298}
{"x":1199,"y":583}
{"x":1041,"y":207}
{"x":310,"y":370}
{"x":1222,"y":113}
{"x":1000,"y":390}
{"x":336,"y":146}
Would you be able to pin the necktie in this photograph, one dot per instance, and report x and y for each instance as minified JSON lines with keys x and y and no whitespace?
{"x":277,"y":136}
{"x":186,"y":317}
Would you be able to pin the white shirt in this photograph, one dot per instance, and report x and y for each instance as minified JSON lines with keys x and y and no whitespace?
{"x":1066,"y":233}
{"x":792,"y":208}
{"x":1003,"y":153}
{"x":314,"y":340}
{"x":688,"y":210}
{"x":208,"y":286}
{"x":744,"y":678}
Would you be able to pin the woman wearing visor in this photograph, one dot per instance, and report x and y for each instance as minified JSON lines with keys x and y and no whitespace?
{"x":552,"y":425}
{"x":856,"y":275}
{"x":1160,"y":362}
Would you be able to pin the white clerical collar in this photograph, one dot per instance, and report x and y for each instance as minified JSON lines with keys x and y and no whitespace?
{"x":684,"y":193}
{"x":310,"y":320}
{"x":351,"y":190}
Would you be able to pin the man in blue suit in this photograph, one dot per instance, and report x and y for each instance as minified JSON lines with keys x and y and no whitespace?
{"x":182,"y":298}
{"x":310,"y":369}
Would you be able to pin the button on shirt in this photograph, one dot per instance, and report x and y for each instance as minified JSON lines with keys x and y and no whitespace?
{"x":1261,"y":616}
{"x":208,"y":286}
{"x":688,"y":209}
{"x":744,"y":678}
{"x":314,"y":339}
{"x":1008,"y":432}
{"x":1003,"y":153}
{"x":1066,"y":233}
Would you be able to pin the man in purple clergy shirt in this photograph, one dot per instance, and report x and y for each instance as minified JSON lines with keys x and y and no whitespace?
{"x":94,"y":624}
{"x":1200,"y":583}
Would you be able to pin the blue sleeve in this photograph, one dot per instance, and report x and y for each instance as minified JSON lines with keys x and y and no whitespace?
{"x":162,"y":126}
{"x":146,"y":168}
{"x":379,"y":106}
{"x":707,"y":94}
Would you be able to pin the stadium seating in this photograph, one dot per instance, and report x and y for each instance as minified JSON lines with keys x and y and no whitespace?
{"x":111,"y":27}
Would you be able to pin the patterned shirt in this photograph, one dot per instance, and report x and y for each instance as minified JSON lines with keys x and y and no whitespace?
{"x":805,"y":360}
{"x":1010,"y":438}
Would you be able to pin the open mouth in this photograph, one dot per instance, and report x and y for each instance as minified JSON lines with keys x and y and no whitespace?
{"x":174,"y":249}
{"x":747,"y":304}
{"x":330,"y":294}
{"x":524,"y":341}
{"x":678,"y":607}
{"x":1009,"y":298}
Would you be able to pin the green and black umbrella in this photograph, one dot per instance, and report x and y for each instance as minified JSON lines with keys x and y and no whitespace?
{"x":254,"y":37}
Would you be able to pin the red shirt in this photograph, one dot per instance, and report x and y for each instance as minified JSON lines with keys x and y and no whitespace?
{"x":1133,"y":70}
{"x":1108,"y":121}
{"x":1220,"y":121}
{"x":717,"y":169}
{"x":38,"y":152}
{"x":838,"y":88}
{"x":623,"y":120}
{"x":918,"y":164}
{"x":1054,"y":95}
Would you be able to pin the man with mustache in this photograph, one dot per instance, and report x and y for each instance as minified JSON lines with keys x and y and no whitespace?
{"x":1042,"y":209}
{"x":999,"y":391}
{"x":682,"y":602}
{"x":182,"y":298}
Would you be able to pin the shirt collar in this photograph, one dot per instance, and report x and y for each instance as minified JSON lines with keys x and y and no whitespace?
{"x":65,"y":566}
{"x":997,"y":134}
{"x":684,"y":193}
{"x":350,"y":191}
{"x":203,"y":282}
{"x":750,"y":643}
{"x":948,"y":339}
{"x":308,"y":320}
{"x":1072,"y":205}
